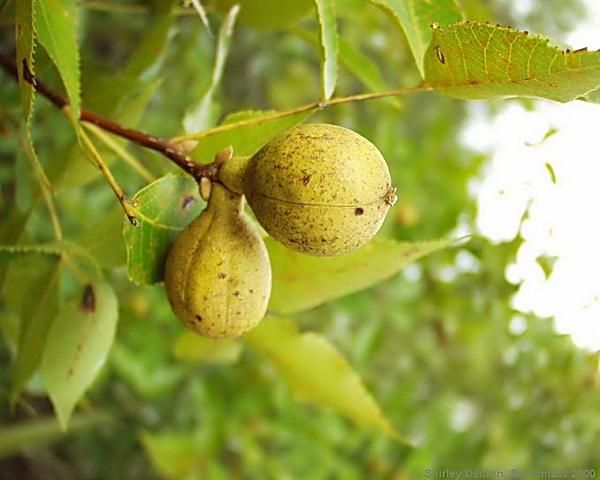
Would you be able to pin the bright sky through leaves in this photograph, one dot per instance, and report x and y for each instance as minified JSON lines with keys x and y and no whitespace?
{"x":559,"y":232}
{"x":546,"y":190}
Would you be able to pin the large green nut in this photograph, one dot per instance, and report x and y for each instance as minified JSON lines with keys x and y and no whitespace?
{"x":218,"y":275}
{"x":319,"y":189}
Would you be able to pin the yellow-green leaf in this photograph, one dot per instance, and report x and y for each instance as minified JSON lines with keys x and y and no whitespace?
{"x":328,"y":36}
{"x":77,"y":346}
{"x":471,"y":60}
{"x":108,"y":248}
{"x":56,"y":29}
{"x":358,"y":63}
{"x":192,"y":347}
{"x":365,"y":69}
{"x":173,"y":455}
{"x":301,"y":281}
{"x":415,"y":18}
{"x":316,"y":372}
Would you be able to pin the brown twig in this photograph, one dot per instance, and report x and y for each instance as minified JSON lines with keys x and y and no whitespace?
{"x":159,"y":145}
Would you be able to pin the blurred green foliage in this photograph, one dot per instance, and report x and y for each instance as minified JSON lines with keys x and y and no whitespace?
{"x":433,"y":344}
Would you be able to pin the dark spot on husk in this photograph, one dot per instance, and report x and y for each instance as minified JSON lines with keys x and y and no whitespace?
{"x":359,"y":211}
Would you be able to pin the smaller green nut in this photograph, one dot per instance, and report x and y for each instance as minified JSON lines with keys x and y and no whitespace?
{"x":218,"y":274}
{"x":319,"y":189}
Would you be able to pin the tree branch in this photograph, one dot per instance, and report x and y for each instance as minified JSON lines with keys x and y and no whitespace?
{"x":159,"y":145}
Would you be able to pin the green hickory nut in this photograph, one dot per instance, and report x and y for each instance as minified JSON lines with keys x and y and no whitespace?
{"x":319,"y":189}
{"x":217,"y":274}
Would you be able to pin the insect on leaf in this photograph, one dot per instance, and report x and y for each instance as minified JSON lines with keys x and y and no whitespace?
{"x":415,"y":18}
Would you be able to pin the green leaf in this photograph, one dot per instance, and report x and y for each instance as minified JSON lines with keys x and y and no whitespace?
{"x":479,"y":61}
{"x":147,"y":376}
{"x":415,"y":18}
{"x":131,"y":110}
{"x":301,"y":281}
{"x":364,"y":68}
{"x":357,"y":63}
{"x":37,"y":318}
{"x":316,"y":372}
{"x":9,"y":328}
{"x":328,"y":36}
{"x":42,"y":431}
{"x":199,"y":116}
{"x":103,"y":239}
{"x":201,"y":12}
{"x":173,"y":455}
{"x":163,"y":209}
{"x":268,"y":14}
{"x":56,"y":29}
{"x":77,"y":346}
{"x":246,"y":131}
{"x":192,"y":347}
{"x":151,"y":50}
{"x":24,"y":11}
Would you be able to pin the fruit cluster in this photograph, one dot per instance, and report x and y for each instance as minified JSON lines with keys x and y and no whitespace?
{"x":318,"y":189}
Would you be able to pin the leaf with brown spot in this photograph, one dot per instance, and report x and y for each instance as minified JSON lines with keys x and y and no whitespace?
{"x":164,"y":208}
{"x":77,"y":346}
